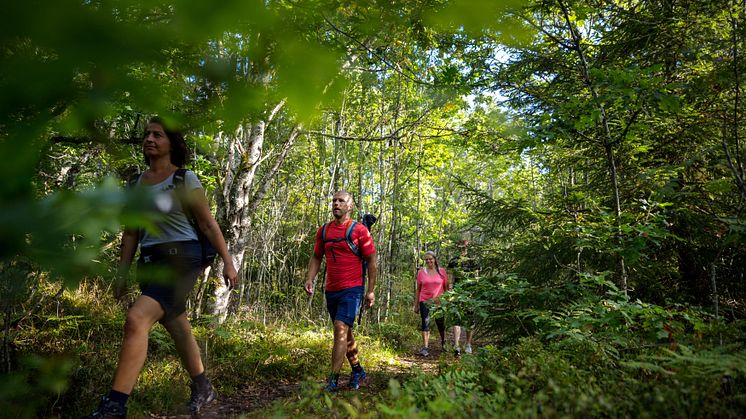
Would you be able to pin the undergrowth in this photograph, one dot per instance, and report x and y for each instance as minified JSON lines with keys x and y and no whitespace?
{"x":67,"y":353}
{"x":597,"y":356}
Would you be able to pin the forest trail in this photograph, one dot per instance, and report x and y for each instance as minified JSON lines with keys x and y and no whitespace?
{"x":253,"y":399}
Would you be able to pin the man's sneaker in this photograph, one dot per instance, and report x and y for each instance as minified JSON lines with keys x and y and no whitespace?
{"x":423,"y":352}
{"x":356,"y":378}
{"x":331,"y":385}
{"x":457,"y":352}
{"x":108,"y":409}
{"x":467,"y":348}
{"x":201,"y":395}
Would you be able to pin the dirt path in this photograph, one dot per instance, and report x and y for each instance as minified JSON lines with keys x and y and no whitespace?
{"x":253,"y":400}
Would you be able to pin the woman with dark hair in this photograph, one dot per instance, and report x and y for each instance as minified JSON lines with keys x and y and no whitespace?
{"x":432,"y":281}
{"x":170,"y":261}
{"x":177,"y":144}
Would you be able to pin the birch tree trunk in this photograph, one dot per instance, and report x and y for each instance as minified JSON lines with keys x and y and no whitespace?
{"x":235,"y":200}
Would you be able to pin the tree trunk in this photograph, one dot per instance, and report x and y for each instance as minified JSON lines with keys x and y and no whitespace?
{"x":418,"y":248}
{"x":607,"y":141}
{"x":735,"y":160}
{"x":235,"y":201}
{"x":393,"y":250}
{"x":715,"y":295}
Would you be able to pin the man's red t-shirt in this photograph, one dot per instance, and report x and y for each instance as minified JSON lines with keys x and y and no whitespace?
{"x":344,"y":269}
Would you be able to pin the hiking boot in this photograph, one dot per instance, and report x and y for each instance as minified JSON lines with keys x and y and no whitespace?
{"x":356,"y":378}
{"x":201,"y":395}
{"x":108,"y":409}
{"x":467,"y":348}
{"x":331,"y":386}
{"x":423,"y":352}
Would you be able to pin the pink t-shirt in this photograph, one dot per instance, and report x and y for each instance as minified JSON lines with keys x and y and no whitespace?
{"x":432,"y":284}
{"x":344,"y":269}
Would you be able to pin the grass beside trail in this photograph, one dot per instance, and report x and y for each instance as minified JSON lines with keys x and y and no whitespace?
{"x":64,"y":359}
{"x":67,"y":356}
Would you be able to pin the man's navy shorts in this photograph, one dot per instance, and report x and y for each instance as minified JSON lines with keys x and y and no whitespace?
{"x":167,"y":273}
{"x":343,"y":304}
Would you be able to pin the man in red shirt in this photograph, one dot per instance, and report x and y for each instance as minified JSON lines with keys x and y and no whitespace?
{"x":344,"y":283}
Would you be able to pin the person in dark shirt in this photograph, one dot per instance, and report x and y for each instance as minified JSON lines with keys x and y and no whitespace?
{"x":461,"y":267}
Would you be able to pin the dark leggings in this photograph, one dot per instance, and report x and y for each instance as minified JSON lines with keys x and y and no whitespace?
{"x":425,"y":314}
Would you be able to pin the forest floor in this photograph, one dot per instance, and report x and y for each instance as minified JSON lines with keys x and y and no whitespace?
{"x":256,"y":398}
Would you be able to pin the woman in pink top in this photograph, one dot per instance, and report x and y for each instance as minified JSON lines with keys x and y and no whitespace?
{"x":432,"y":281}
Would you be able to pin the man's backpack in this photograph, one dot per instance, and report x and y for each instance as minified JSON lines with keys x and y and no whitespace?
{"x":347,"y":237}
{"x":368,"y":221}
{"x":208,"y":250}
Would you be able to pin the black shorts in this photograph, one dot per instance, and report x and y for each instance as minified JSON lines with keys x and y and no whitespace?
{"x":167,"y":273}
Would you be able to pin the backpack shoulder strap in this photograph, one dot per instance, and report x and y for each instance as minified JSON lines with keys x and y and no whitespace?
{"x":179,"y":176}
{"x":348,"y":238}
{"x":179,"y":182}
{"x":323,"y":233}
